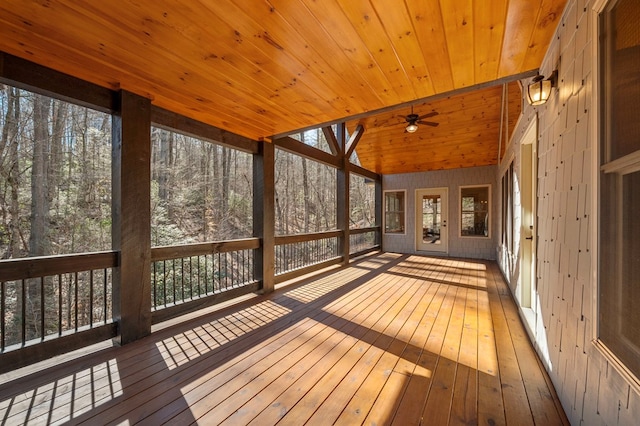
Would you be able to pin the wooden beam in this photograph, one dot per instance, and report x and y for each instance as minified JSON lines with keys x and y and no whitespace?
{"x":331,"y":140}
{"x":175,"y":122}
{"x":353,"y":140}
{"x":361,"y":171}
{"x":342,"y":193}
{"x":378,"y":213}
{"x":131,"y":212}
{"x":27,"y":75}
{"x":297,"y":147}
{"x":264,"y":215}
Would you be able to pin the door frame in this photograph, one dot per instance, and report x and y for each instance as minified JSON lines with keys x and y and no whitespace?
{"x":443,"y":248}
{"x":528,"y":216}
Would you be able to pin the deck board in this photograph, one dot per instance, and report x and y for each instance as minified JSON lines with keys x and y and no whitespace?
{"x":392,"y":339}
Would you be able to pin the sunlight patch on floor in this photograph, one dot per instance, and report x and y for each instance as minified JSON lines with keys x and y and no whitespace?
{"x":66,"y":398}
{"x":184,"y":347}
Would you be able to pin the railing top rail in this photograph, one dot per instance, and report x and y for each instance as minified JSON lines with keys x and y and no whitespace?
{"x":301,"y":238}
{"x":43,"y":266}
{"x":364,"y":230}
{"x":199,"y":249}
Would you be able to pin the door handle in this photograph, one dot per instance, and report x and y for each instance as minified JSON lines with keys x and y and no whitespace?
{"x":529,"y":238}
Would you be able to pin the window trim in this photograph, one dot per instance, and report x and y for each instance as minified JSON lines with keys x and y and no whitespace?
{"x":404,"y":211}
{"x":597,"y":130}
{"x":489,"y":211}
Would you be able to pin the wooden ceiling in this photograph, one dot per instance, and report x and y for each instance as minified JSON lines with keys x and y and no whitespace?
{"x":267,"y":67}
{"x":467,"y":135}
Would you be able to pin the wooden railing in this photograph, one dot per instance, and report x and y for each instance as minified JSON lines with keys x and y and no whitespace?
{"x":54,"y":304}
{"x":363,"y":240}
{"x":189,"y":277}
{"x":300,"y":254}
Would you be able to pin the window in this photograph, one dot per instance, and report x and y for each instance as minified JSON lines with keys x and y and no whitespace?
{"x":394,"y":209}
{"x":474,"y":211}
{"x":507,"y":209}
{"x":619,"y":227}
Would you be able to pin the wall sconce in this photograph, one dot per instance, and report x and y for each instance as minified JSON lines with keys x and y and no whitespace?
{"x":539,"y":89}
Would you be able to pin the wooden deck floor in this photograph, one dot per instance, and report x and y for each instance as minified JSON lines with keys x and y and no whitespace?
{"x":393,"y":339}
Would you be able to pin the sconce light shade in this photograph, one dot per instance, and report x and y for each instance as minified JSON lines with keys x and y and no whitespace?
{"x":539,"y":89}
{"x":411,"y":127}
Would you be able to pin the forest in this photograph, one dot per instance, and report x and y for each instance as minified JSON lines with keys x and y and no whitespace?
{"x":55,"y":199}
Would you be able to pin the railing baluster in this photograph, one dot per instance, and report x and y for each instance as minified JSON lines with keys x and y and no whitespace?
{"x":154,"y":286}
{"x":104,"y":294}
{"x":182,"y":277}
{"x":206,"y":274}
{"x":42,"y":308}
{"x":91,"y":299}
{"x":164,"y":282}
{"x":76,"y":300}
{"x":24,"y":312}
{"x":190,"y":277}
{"x":173,"y":279}
{"x":59,"y":304}
{"x":3,"y":334}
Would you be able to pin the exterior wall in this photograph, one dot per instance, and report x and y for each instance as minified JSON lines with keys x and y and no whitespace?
{"x":562,"y":321}
{"x":469,"y":247}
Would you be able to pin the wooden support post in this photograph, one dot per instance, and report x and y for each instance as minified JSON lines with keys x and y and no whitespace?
{"x":378,"y":212}
{"x":131,"y":227}
{"x":342,"y":182}
{"x":264,"y":214}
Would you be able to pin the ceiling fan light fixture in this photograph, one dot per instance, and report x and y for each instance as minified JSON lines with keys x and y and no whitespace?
{"x":411,"y":127}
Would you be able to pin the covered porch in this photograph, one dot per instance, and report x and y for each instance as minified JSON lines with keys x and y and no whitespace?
{"x":389,"y":339}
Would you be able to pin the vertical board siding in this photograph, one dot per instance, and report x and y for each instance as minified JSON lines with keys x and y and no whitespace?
{"x":467,"y":247}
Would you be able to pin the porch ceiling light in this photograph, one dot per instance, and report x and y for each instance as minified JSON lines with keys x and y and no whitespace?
{"x":411,"y":127}
{"x":539,"y":89}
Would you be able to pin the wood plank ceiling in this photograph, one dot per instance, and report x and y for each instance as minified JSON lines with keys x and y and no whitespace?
{"x":267,"y":67}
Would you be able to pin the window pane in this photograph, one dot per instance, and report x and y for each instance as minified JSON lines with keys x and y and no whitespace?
{"x":394,"y":212}
{"x":620,"y":269}
{"x":621,"y":74}
{"x":474,"y":214}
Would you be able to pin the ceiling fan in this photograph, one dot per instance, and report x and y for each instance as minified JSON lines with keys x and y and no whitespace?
{"x":414,"y":119}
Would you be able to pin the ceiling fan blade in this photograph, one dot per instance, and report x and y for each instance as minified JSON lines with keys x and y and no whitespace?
{"x":396,"y":123}
{"x":428,"y":123}
{"x":427,"y":115}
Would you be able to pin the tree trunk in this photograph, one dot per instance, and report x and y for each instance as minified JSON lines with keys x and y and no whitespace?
{"x":226,"y":171}
{"x":11,"y":172}
{"x":38,"y":239}
{"x":163,"y":165}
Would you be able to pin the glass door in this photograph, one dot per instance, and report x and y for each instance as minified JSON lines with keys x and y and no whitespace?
{"x":431,"y":220}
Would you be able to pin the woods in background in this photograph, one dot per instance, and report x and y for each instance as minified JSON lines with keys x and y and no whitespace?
{"x":55,"y":199}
